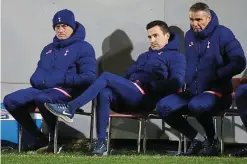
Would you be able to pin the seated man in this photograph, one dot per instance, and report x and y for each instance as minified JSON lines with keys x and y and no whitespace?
{"x":66,"y":67}
{"x":241,"y":102}
{"x":156,"y":73}
{"x":214,"y":56}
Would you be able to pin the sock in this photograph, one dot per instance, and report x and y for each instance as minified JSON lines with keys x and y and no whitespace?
{"x":199,"y":137}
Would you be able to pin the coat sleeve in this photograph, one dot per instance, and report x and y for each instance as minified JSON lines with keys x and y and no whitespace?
{"x":176,"y":76}
{"x":232,"y":49}
{"x":38,"y":77}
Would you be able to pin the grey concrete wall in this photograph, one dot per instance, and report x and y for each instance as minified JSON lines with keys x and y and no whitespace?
{"x":116,"y":29}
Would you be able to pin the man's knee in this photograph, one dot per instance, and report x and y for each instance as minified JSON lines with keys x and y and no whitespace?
{"x":197,"y":106}
{"x":202,"y":103}
{"x":14,"y":101}
{"x":19,"y":98}
{"x":171,"y":104}
{"x":42,"y":98}
{"x":200,"y":106}
{"x":164,"y":108}
{"x":241,"y":96}
{"x":9,"y":102}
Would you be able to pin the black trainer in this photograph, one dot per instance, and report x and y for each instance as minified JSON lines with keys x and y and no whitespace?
{"x":240,"y":153}
{"x":193,"y":150}
{"x":210,"y":147}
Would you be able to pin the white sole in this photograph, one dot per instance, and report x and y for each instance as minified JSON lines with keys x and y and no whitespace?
{"x":104,"y":154}
{"x":66,"y":119}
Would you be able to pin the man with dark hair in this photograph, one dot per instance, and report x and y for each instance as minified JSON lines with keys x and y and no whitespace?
{"x":214,"y":56}
{"x":158,"y":72}
{"x":163,"y":26}
{"x":67,"y":66}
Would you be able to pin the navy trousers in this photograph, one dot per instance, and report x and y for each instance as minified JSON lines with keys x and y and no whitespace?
{"x":114,"y":92}
{"x":202,"y":106}
{"x":21,"y":102}
{"x":241,"y":102}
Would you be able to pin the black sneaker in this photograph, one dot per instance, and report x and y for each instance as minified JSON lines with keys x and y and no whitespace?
{"x":193,"y":150}
{"x":210,"y":147}
{"x":38,"y":143}
{"x":240,"y":153}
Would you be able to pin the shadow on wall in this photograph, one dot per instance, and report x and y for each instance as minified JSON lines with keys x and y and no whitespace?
{"x":128,"y":129}
{"x":180,"y":33}
{"x":116,"y":53}
{"x":66,"y":134}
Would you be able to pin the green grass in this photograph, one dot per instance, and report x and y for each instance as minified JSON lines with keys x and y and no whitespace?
{"x":77,"y":158}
